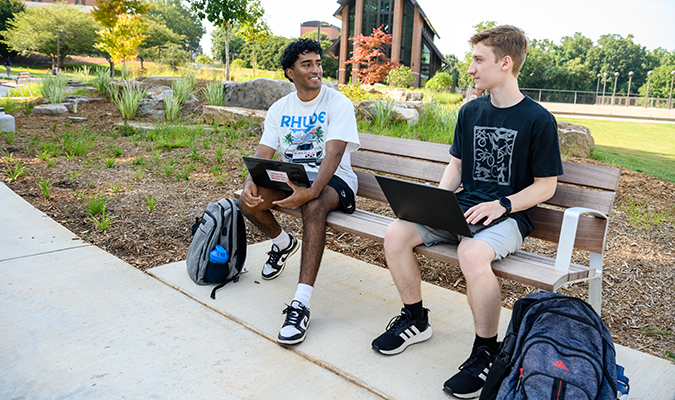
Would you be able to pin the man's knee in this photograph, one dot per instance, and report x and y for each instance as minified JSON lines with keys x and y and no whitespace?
{"x":475,"y":257}
{"x":401,"y":236}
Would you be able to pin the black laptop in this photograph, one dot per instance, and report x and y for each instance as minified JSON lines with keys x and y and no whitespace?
{"x":429,"y":205}
{"x":273,"y":174}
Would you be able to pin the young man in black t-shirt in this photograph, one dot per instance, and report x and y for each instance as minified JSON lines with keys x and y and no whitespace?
{"x":506,"y":157}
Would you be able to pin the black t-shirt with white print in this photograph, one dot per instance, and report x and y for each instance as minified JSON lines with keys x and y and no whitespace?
{"x":503,"y":150}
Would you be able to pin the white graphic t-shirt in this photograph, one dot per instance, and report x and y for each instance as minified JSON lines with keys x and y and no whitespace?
{"x":299,"y":130}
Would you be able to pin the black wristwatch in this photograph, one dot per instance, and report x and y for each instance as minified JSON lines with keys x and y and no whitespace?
{"x":506,"y":203}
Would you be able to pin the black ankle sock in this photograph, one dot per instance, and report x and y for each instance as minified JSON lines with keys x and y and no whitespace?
{"x":416,"y":310}
{"x":491,"y":343}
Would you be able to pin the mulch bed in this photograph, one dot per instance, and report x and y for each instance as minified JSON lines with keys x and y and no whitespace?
{"x":638,"y":299}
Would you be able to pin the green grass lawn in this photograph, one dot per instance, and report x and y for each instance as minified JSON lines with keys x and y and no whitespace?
{"x":640,"y":146}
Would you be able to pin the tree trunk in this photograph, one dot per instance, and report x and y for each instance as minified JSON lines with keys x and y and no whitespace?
{"x":253,"y":57}
{"x":112,"y":68}
{"x":227,"y":52}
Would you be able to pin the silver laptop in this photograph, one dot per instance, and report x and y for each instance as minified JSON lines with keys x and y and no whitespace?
{"x":429,"y":205}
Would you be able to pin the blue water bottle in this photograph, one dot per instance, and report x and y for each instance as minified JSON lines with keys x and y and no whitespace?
{"x":217,"y":270}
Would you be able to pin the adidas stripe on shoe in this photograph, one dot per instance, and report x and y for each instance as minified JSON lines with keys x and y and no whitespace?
{"x":276,"y":262}
{"x":469,"y":381}
{"x":402,"y":331}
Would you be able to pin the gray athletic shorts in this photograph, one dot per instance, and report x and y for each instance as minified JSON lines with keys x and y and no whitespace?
{"x":504,"y":238}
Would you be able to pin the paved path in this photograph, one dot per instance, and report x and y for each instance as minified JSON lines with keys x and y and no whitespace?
{"x":618,"y":113}
{"x":78,"y":323}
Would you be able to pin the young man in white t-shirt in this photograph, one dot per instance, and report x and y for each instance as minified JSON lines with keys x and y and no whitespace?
{"x":314,"y":126}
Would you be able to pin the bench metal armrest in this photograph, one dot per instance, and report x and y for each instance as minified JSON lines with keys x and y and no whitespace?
{"x":568,"y":232}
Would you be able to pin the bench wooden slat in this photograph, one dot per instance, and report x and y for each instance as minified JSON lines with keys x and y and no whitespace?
{"x":572,"y":196}
{"x":594,"y":176}
{"x":590,"y":231}
{"x":400,"y":166}
{"x":405,"y":147}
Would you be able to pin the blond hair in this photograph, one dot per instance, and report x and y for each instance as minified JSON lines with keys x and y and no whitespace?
{"x":505,"y":40}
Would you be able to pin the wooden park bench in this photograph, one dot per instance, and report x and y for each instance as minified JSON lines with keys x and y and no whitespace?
{"x":574,"y":218}
{"x":21,"y":81}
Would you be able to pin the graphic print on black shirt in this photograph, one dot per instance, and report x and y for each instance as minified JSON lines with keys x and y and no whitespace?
{"x":493,"y":154}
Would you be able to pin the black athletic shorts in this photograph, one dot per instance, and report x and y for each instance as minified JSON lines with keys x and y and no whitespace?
{"x":347,"y":203}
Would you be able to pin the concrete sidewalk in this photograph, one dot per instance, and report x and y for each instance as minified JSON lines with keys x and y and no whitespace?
{"x":78,"y":323}
{"x":614,"y":112}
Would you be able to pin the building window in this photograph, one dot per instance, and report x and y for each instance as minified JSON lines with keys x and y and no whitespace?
{"x":425,"y":64}
{"x":407,"y":32}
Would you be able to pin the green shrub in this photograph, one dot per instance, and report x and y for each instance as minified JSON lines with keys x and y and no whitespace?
{"x":238,"y":64}
{"x":356,"y":93}
{"x":214,"y":94}
{"x":127,"y":99}
{"x":54,"y":88}
{"x":440,"y":81}
{"x":101,"y":80}
{"x":400,"y":77}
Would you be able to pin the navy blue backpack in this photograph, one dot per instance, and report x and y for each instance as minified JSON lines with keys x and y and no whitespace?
{"x":556,"y":347}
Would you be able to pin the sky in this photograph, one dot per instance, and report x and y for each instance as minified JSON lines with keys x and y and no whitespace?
{"x":649,"y":21}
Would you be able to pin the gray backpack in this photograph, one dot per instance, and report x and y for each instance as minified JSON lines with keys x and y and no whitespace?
{"x":222,"y":224}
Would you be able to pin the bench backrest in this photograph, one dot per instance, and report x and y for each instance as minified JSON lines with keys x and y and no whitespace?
{"x":582,"y":185}
{"x":23,"y":78}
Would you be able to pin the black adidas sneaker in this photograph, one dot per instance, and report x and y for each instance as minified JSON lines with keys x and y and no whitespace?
{"x":401,"y":332}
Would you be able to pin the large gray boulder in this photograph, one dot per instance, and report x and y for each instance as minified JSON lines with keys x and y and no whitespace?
{"x":258,"y":94}
{"x":50,"y":109}
{"x":226,"y":115}
{"x":261,"y":93}
{"x":403,"y":95}
{"x":152,"y":106}
{"x":575,"y":140}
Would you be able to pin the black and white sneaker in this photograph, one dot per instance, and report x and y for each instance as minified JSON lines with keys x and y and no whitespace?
{"x":275,"y":264}
{"x":469,"y":381}
{"x":403,"y":331}
{"x":295,"y":326}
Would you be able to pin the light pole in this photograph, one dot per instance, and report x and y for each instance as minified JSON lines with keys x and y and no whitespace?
{"x":604,"y":85}
{"x":670,"y":96}
{"x":597,"y":89}
{"x":630,"y":78}
{"x":649,"y":78}
{"x":616,"y":78}
{"x":58,"y":49}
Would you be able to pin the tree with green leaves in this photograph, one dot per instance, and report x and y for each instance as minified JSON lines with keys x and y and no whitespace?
{"x":659,"y":84}
{"x":8,"y":8}
{"x":122,"y":41}
{"x":254,"y":28}
{"x":157,"y":35}
{"x":615,"y":53}
{"x":222,"y":13}
{"x":172,"y":14}
{"x":236,"y":43}
{"x":268,"y":54}
{"x":108,"y":12}
{"x":463,"y":77}
{"x":37,"y":29}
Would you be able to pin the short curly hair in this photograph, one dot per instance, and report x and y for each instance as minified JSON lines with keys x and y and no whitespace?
{"x":294,"y":49}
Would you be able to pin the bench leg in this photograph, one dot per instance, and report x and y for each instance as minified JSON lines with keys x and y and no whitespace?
{"x":20,"y":91}
{"x":29,"y":91}
{"x":595,"y":293}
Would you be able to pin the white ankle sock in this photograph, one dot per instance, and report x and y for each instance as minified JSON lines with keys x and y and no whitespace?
{"x":282,"y":241}
{"x":303,"y":294}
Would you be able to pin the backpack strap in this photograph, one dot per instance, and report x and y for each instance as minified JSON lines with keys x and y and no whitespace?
{"x":233,"y":279}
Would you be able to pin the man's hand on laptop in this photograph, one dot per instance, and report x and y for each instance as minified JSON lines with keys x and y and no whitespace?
{"x":300,"y":196}
{"x":250,"y":195}
{"x":490,"y":210}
